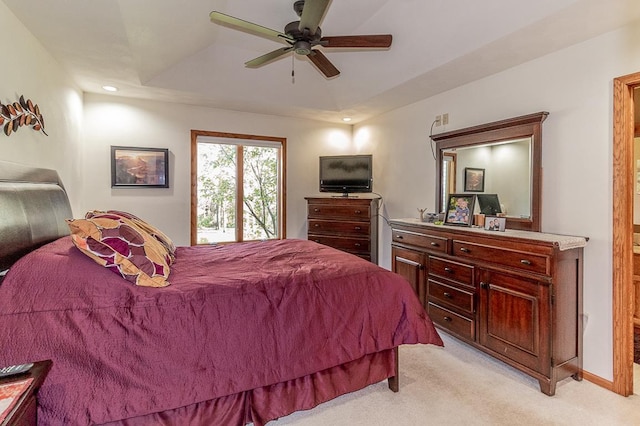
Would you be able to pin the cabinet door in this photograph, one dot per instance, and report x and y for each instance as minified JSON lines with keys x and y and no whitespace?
{"x":411,"y":265}
{"x":514,"y":319}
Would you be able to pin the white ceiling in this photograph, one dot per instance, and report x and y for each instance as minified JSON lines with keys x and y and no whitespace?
{"x":169,"y":49}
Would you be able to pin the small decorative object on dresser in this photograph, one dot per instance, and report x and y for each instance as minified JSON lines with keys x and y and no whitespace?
{"x":347,"y":223}
{"x":21,"y":395}
{"x":516,"y":295}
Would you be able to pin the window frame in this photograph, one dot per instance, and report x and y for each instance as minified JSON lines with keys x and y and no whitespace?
{"x":282,"y":172}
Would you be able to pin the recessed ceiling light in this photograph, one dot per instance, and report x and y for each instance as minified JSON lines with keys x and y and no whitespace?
{"x":110,"y":88}
{"x":346,"y":119}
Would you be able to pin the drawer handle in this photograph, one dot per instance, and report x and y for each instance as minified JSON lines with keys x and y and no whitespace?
{"x":448,"y":295}
{"x":317,"y":225}
{"x":449,"y":270}
{"x":448,"y":319}
{"x":525,"y":262}
{"x":399,"y":237}
{"x":435,"y":244}
{"x":316,"y":210}
{"x":358,"y":211}
{"x":483,"y":284}
{"x":465,"y":250}
{"x":357,"y":244}
{"x":357,"y":228}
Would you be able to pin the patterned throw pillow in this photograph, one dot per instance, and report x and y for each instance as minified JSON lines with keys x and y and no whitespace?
{"x":147,"y":227}
{"x":122,"y":247}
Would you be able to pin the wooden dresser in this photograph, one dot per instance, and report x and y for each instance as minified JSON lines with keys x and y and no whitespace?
{"x":347,"y":223}
{"x":516,"y":295}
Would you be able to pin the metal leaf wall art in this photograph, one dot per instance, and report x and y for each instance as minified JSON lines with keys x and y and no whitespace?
{"x":21,"y":113}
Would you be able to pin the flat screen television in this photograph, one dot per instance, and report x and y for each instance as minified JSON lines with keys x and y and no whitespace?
{"x":489,"y":204}
{"x":346,"y":173}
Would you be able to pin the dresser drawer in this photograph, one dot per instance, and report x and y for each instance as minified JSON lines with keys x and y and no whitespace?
{"x":453,"y":296}
{"x":530,"y":262}
{"x":329,"y":227}
{"x":451,"y":270}
{"x":349,"y":224}
{"x":430,"y":242}
{"x":325,"y":211}
{"x":457,"y":324}
{"x":352,"y":245}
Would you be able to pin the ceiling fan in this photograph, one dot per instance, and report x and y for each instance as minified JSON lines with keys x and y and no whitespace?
{"x":301,"y":36}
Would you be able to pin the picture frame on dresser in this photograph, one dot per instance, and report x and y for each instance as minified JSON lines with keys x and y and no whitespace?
{"x":460,"y":209}
{"x":495,"y":223}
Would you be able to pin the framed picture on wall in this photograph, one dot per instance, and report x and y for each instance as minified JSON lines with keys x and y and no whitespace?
{"x":139,"y":167}
{"x":460,"y":209}
{"x":473,"y":179}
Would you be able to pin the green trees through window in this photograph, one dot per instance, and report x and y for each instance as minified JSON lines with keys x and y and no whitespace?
{"x":237,"y":188}
{"x":260,"y":193}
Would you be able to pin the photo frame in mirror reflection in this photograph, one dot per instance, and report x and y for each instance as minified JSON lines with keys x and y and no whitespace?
{"x":460,"y":209}
{"x":473,"y":179}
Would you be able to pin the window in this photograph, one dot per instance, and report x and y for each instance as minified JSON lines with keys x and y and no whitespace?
{"x":237,"y":187}
{"x":448,"y":177}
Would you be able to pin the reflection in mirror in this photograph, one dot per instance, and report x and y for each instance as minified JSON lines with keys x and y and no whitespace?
{"x":507,"y":155}
{"x":448,"y":175}
{"x":507,"y":173}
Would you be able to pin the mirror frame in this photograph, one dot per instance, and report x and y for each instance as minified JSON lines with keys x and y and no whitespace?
{"x":499,"y":131}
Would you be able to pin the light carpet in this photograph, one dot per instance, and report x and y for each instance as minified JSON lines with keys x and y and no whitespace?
{"x":458,"y":385}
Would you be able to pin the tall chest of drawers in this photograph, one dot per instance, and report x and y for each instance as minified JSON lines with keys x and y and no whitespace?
{"x":516,"y":295}
{"x":347,"y":223}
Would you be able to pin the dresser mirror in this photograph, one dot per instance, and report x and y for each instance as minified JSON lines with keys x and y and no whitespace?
{"x":503,"y":158}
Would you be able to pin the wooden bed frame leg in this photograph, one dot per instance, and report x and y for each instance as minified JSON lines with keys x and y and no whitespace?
{"x":394,"y":382}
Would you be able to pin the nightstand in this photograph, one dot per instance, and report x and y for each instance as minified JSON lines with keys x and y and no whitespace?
{"x":25,"y":412}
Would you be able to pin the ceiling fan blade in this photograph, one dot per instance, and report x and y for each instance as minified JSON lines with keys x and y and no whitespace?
{"x":358,"y":41}
{"x":324,"y":65}
{"x":249,"y":27}
{"x":262,"y":60}
{"x":312,"y":14}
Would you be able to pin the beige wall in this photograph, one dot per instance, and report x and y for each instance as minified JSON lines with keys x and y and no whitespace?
{"x":113,"y":120}
{"x":27,"y":69}
{"x":575,"y":87}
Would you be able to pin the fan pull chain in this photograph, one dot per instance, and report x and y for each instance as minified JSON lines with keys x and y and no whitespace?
{"x":293,"y":73}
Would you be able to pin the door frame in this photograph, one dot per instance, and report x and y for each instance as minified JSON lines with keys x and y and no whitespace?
{"x":622,"y":280}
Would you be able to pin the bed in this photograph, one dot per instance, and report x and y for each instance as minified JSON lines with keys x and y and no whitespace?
{"x":244,"y":333}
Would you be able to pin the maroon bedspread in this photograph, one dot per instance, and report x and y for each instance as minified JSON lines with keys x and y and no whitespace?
{"x":234,"y":318}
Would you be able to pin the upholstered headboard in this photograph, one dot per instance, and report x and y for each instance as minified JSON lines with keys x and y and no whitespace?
{"x":33,"y":209}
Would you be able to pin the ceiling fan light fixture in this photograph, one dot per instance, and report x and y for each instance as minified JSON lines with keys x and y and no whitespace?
{"x":302,"y":47}
{"x":298,"y":6}
{"x":302,"y":35}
